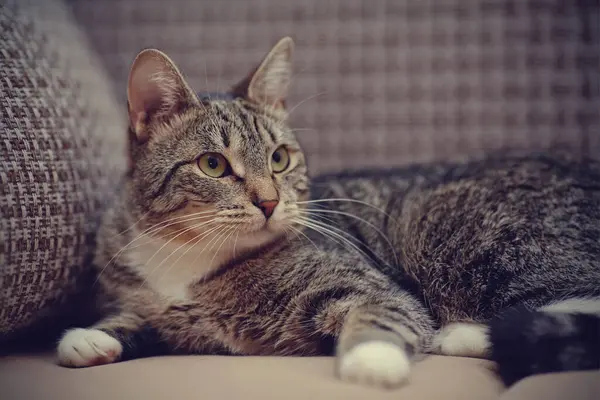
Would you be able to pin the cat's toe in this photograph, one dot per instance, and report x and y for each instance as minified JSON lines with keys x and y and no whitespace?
{"x":87,"y":347}
{"x":462,"y":340}
{"x":375,"y":363}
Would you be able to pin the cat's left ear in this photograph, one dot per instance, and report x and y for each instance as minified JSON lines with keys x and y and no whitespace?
{"x":268,"y":85}
{"x":156,"y":91}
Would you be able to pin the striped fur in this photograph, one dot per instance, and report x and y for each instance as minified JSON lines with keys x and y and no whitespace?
{"x":371,"y":270}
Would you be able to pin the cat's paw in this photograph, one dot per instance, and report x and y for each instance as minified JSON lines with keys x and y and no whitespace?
{"x":87,"y":347}
{"x":463,"y":340}
{"x":376,"y":363}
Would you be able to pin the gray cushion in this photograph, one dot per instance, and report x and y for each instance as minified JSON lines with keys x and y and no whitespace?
{"x":62,"y":147}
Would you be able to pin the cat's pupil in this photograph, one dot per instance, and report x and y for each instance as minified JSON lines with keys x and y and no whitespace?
{"x":213,"y":163}
{"x":276,"y":157}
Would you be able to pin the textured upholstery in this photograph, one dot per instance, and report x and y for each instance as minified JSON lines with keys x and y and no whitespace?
{"x":386,"y":82}
{"x":61,"y":142}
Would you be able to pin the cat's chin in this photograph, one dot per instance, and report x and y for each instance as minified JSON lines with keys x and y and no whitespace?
{"x":274,"y":227}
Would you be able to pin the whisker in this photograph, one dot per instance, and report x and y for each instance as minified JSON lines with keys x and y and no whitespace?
{"x":326,"y":231}
{"x":335,"y":212}
{"x":235,"y":242}
{"x":189,"y":218}
{"x":132,"y":226}
{"x":302,"y":129}
{"x":157,"y":237}
{"x":214,"y":241}
{"x":141,"y":235}
{"x":173,"y":221}
{"x":349,"y":201}
{"x":298,"y":231}
{"x":321,"y":217}
{"x":305,"y":100}
{"x":288,"y":231}
{"x":229,"y":232}
{"x":211,"y":242}
{"x":148,"y":230}
{"x":196,"y":240}
{"x":171,"y":240}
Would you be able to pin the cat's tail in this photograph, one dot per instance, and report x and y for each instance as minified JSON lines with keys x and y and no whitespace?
{"x":564,"y":336}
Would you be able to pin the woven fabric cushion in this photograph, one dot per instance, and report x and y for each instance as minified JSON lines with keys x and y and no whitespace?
{"x":381,"y":82}
{"x":62,"y":147}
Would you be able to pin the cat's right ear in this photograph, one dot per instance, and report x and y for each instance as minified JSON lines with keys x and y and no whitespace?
{"x":156,"y":90}
{"x":269,"y":83}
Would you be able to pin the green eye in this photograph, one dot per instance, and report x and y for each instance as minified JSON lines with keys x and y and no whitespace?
{"x":213,"y":165}
{"x":280,"y":159}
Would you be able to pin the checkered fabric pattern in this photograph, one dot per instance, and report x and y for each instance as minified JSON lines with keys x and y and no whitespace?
{"x":60,"y":135}
{"x":382,"y":82}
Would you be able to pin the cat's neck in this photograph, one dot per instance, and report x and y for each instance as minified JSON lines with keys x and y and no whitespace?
{"x":169,"y":267}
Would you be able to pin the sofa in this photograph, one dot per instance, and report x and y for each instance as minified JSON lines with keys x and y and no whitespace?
{"x":377,"y":84}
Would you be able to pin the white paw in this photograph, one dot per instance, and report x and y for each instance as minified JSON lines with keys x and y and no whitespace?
{"x":87,"y":347}
{"x":375,"y":363}
{"x":463,"y":340}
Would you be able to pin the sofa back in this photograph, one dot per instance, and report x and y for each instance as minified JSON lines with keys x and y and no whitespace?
{"x":386,"y":82}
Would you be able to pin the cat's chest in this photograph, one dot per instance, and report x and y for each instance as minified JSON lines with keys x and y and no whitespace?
{"x":169,"y":268}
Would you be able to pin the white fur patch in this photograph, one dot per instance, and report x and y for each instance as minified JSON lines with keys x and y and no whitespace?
{"x":463,"y":340}
{"x":375,"y":363}
{"x":170,"y":267}
{"x":87,"y":347}
{"x":577,"y":305}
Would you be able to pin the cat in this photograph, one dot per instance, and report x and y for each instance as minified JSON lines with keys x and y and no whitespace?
{"x":219,"y":243}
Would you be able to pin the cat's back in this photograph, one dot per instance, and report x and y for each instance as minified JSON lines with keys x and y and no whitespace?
{"x":493,"y":180}
{"x":470,"y":224}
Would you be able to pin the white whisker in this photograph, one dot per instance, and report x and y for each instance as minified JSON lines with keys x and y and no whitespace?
{"x":335,"y":212}
{"x":170,"y":240}
{"x":235,"y":242}
{"x":214,"y":241}
{"x":147,"y":233}
{"x":305,"y":100}
{"x":196,"y":240}
{"x":331,"y":232}
{"x":298,"y":231}
{"x":228,"y":234}
{"x":349,"y":201}
{"x":132,"y":226}
{"x":302,"y":129}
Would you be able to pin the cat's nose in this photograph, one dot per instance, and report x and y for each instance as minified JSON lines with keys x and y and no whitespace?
{"x":267,"y":207}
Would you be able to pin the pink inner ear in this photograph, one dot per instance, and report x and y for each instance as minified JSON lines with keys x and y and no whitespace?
{"x":270,"y":82}
{"x":145,"y":93}
{"x":156,"y":89}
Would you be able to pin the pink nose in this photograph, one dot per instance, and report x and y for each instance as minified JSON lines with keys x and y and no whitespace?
{"x":267,"y":207}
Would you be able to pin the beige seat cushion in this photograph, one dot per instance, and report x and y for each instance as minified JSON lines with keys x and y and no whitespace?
{"x":213,"y":377}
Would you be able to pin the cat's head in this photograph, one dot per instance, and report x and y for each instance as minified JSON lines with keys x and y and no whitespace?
{"x":218,"y":164}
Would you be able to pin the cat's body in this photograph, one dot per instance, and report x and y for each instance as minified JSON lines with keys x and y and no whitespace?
{"x":389,"y":262}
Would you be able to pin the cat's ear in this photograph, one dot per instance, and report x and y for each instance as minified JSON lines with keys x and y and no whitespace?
{"x":155,"y":90}
{"x":269,"y":83}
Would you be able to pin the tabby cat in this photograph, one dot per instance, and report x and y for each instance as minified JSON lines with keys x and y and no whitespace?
{"x":217,"y":245}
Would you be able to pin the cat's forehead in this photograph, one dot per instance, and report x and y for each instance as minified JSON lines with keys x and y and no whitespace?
{"x":233,"y":127}
{"x":234,"y":123}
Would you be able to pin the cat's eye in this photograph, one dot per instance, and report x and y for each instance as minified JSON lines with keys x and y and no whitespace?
{"x":280,"y":159}
{"x":213,"y":165}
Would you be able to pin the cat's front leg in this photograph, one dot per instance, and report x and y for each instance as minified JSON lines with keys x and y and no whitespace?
{"x":114,"y":338}
{"x":378,"y":342}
